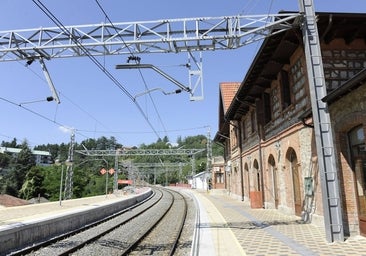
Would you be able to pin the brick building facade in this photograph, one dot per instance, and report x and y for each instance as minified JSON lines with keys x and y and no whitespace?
{"x":268,"y":133}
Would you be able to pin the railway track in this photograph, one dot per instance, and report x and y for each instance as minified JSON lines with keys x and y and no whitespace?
{"x":152,"y":227}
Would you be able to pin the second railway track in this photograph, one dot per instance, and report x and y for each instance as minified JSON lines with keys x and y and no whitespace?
{"x":152,"y":228}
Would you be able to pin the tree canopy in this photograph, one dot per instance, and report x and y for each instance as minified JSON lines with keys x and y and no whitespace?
{"x":20,"y":176}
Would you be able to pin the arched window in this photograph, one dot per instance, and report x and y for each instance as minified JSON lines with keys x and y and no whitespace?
{"x":246,"y":174}
{"x":257,"y":176}
{"x":356,"y":138}
{"x":273,"y":173}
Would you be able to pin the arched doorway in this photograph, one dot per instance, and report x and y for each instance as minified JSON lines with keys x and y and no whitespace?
{"x":356,"y":138}
{"x":247,"y":180}
{"x":273,"y":172}
{"x":256,"y":196}
{"x":292,"y":162}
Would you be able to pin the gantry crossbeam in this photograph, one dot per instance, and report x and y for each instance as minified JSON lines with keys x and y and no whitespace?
{"x":191,"y":35}
{"x":158,"y":165}
{"x":161,"y":36}
{"x":140,"y":152}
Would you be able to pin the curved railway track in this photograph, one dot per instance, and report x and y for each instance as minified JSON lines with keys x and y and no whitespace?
{"x":163,"y":238}
{"x":152,"y":227}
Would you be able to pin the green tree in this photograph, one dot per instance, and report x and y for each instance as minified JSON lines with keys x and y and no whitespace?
{"x":24,"y":162}
{"x":87,"y":180}
{"x":12,"y":144}
{"x":19,"y":166}
{"x":51,"y":181}
{"x":4,"y":160}
{"x":33,"y":184}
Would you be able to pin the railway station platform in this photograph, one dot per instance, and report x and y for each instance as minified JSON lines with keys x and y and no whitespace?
{"x":19,"y":214}
{"x":268,"y":232}
{"x":227,"y":227}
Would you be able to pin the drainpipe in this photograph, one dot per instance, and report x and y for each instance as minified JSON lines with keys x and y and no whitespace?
{"x":241,"y":164}
{"x":261,"y":167}
{"x":259,"y":132}
{"x":241,"y":150}
{"x":240,"y":160}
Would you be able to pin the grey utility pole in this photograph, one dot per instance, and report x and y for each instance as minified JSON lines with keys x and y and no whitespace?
{"x":70,"y":167}
{"x":332,"y":205}
{"x":209,"y":151}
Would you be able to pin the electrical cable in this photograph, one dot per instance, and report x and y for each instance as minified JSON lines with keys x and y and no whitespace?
{"x":133,"y":57}
{"x":246,"y":9}
{"x":135,"y":132}
{"x":65,"y":97}
{"x":41,"y":116}
{"x":58,"y":23}
{"x":84,"y":111}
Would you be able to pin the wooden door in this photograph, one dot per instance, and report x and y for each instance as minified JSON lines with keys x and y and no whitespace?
{"x":296,"y":184}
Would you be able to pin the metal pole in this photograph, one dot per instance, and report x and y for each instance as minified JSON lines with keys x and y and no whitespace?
{"x":69,"y":169}
{"x":115,"y":179}
{"x":332,"y":205}
{"x":62,"y":177}
{"x":106,"y":183}
{"x":106,"y":178}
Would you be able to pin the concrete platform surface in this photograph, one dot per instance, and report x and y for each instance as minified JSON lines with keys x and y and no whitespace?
{"x":268,"y":232}
{"x":228,"y":227}
{"x":16,"y":214}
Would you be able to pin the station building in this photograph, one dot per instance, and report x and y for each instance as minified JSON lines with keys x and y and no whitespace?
{"x":266,"y":126}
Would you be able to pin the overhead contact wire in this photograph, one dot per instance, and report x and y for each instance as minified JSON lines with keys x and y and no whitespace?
{"x":142,"y":77}
{"x":58,"y":23}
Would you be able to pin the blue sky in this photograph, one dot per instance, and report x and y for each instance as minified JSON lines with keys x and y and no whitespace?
{"x":92,"y":105}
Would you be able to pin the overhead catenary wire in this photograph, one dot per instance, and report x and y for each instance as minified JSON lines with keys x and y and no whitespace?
{"x":42,"y":116}
{"x":65,"y":97}
{"x":133,"y":57}
{"x":58,"y":23}
{"x":146,"y":132}
{"x":84,"y":111}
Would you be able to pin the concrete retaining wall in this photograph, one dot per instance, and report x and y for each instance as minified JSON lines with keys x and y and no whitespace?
{"x":19,"y":235}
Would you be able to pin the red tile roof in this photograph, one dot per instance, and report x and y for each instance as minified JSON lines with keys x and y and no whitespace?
{"x":227,"y":93}
{"x":8,"y":201}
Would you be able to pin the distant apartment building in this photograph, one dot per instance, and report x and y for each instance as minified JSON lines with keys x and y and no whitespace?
{"x":40,"y":157}
{"x":266,"y":125}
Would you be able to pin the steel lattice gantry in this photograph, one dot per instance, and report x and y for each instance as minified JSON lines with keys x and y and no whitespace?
{"x":158,"y":165}
{"x":117,"y":153}
{"x":189,"y":35}
{"x":161,"y":36}
{"x":140,"y":152}
{"x":147,"y":168}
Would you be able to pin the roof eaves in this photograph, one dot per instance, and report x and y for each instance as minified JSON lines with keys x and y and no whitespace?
{"x":347,"y":87}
